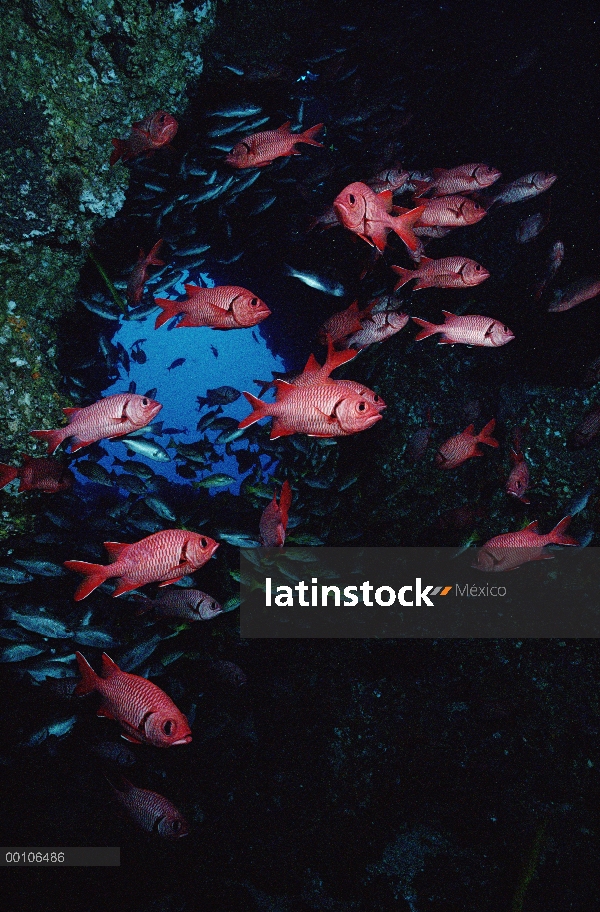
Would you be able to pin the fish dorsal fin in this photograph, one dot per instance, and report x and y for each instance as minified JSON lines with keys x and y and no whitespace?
{"x":336,"y":358}
{"x":425,"y":259}
{"x":532,"y":527}
{"x":282,"y":389}
{"x":285,"y":128}
{"x":71,"y":411}
{"x":109,"y":668}
{"x":192,"y":289}
{"x":115,"y":549}
{"x":438,"y":172}
{"x":470,"y":430}
{"x":353,"y":307}
{"x":311,"y":365}
{"x":446,"y":313}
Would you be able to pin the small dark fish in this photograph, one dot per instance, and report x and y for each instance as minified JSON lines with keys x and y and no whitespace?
{"x":132,"y":387}
{"x":151,"y":393}
{"x":14,"y":577}
{"x":576,"y":293}
{"x":41,"y":568}
{"x":41,"y":624}
{"x":219,"y":480}
{"x":530,"y":227}
{"x":214,"y":351}
{"x":114,"y":752}
{"x":91,"y":636}
{"x":95,"y":472}
{"x":578,"y":504}
{"x":141,"y":652}
{"x":176,"y":363}
{"x":124,"y":357}
{"x":222,"y":395}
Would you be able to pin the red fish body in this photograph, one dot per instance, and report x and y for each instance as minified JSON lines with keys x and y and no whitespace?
{"x":463,"y":179}
{"x":261,"y":149}
{"x":41,"y":474}
{"x":153,"y":812}
{"x":574,"y":294}
{"x":222,"y":307}
{"x":147,"y":135}
{"x":523,"y":188}
{"x":376,"y":328}
{"x":273,"y":521}
{"x":448,"y":272}
{"x":163,"y":557}
{"x":449,"y":212}
{"x":368,"y":215}
{"x":113,"y":416}
{"x":344,"y":323}
{"x":518,"y":480}
{"x":463,"y":446}
{"x":139,"y":276}
{"x":510,"y":550}
{"x":469,"y":329}
{"x":145,"y":712}
{"x":187,"y":604}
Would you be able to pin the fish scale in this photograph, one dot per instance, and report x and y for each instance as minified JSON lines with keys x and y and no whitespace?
{"x":222,"y":307}
{"x":259,"y":149}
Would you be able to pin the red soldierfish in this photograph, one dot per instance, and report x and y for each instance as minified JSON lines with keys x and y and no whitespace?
{"x":448,"y":272}
{"x":41,"y":474}
{"x":518,"y":480}
{"x":222,"y":307}
{"x":153,"y":812}
{"x":523,"y":188}
{"x":574,"y":294}
{"x":368,"y":215}
{"x":510,"y":550}
{"x":113,"y":416}
{"x":462,"y":179}
{"x":187,"y":604}
{"x":273,"y":521}
{"x":376,"y":328}
{"x":144,"y":711}
{"x":163,"y":557}
{"x":450,"y":212}
{"x":139,"y":276}
{"x":316,"y":405}
{"x":469,"y":329}
{"x":463,"y":446}
{"x":344,"y":323}
{"x":261,"y":149}
{"x":147,"y":135}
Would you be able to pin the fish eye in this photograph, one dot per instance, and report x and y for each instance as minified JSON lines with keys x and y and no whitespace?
{"x":377,"y":398}
{"x":203,"y":543}
{"x":162,"y":118}
{"x":253,"y":302}
{"x":362,"y":406}
{"x":351,"y":199}
{"x":145,"y":401}
{"x":176,"y":825}
{"x":168,"y":727}
{"x":478,"y":267}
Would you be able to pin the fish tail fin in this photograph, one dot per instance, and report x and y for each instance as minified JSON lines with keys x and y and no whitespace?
{"x":260,"y":410}
{"x":285,"y":501}
{"x":94,"y":576}
{"x":7,"y":474}
{"x":89,"y":678}
{"x":53,"y":438}
{"x":117,"y":152}
{"x":556,"y":536}
{"x":308,"y":136}
{"x":405,"y":276}
{"x":429,"y":329}
{"x":152,"y":258}
{"x":403,"y":225}
{"x":484,"y":435}
{"x":169,"y":309}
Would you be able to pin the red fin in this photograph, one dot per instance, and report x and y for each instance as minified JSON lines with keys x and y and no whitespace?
{"x":192,"y":289}
{"x":285,"y":128}
{"x":77,"y":444}
{"x":285,"y":500}
{"x":52,"y":438}
{"x":484,"y":435}
{"x":429,"y":329}
{"x":403,"y":225}
{"x":7,"y":474}
{"x":71,"y":411}
{"x":557,"y":536}
{"x":311,"y":365}
{"x":337,"y":358}
{"x":117,"y":152}
{"x":115,"y":549}
{"x":89,"y":677}
{"x":171,"y":581}
{"x":279,"y":429}
{"x":106,"y":713}
{"x":94,"y":574}
{"x":259,"y":410}
{"x":169,"y":309}
{"x":131,"y":738}
{"x":422,"y":187}
{"x":308,"y":135}
{"x":405,"y":276}
{"x":386,"y":197}
{"x":532,"y":527}
{"x":109,"y":668}
{"x":282,"y":389}
{"x":448,"y":314}
{"x":152,"y":259}
{"x":124,"y":586}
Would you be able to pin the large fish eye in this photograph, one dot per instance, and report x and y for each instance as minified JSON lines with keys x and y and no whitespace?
{"x":351,"y":199}
{"x":377,"y":398}
{"x":161,"y":118}
{"x":362,"y":406}
{"x":505,"y":329}
{"x":253,"y":302}
{"x":168,"y":727}
{"x":203,"y":543}
{"x":145,"y":401}
{"x":477,"y":267}
{"x":176,"y":825}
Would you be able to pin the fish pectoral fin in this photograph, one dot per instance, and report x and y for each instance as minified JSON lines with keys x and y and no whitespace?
{"x":106,"y":713}
{"x":488,"y":331}
{"x":131,"y":738}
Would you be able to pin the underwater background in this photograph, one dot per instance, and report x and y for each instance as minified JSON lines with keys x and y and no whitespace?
{"x":325,"y":774}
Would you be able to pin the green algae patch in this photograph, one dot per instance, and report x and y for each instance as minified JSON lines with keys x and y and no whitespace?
{"x":74,"y":76}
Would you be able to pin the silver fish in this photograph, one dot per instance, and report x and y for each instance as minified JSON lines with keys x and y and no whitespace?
{"x":148,"y":448}
{"x":20,"y":652}
{"x":330,"y":287}
{"x":44,"y":626}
